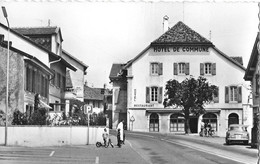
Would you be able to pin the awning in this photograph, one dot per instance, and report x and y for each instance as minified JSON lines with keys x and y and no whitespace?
{"x":44,"y":105}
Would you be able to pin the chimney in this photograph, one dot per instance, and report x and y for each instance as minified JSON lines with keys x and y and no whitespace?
{"x":165,"y":23}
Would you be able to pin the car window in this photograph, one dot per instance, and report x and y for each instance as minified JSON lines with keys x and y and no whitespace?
{"x":238,"y":128}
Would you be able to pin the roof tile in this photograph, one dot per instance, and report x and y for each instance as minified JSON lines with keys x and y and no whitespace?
{"x":181,"y":34}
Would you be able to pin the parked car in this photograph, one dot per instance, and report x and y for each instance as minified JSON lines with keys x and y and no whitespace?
{"x":237,"y":134}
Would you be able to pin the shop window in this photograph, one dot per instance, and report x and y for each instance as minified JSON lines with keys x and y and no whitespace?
{"x":257,"y":84}
{"x":177,"y":122}
{"x":211,"y":119}
{"x":154,"y":123}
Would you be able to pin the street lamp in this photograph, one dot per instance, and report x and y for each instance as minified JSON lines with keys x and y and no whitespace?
{"x":7,"y":74}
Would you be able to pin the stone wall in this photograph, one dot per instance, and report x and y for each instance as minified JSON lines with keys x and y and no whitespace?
{"x":33,"y":136}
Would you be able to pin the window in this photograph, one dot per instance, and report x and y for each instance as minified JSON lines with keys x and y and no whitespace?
{"x":207,"y":68}
{"x":156,"y":68}
{"x":211,"y":119}
{"x":154,"y":123}
{"x":181,"y":68}
{"x":233,"y":94}
{"x":216,"y":97}
{"x":154,"y":94}
{"x":257,"y":84}
{"x":176,"y":123}
{"x":58,"y":80}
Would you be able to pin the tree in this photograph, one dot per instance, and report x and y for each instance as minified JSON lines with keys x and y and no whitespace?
{"x":191,"y":95}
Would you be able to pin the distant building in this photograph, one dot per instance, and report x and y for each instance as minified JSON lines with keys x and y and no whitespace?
{"x":95,"y":98}
{"x":76,"y":80}
{"x":139,"y":85}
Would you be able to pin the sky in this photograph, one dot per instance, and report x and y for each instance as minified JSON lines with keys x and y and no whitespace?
{"x":102,"y":33}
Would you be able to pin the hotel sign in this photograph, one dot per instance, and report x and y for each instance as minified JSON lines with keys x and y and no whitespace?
{"x":180,"y":49}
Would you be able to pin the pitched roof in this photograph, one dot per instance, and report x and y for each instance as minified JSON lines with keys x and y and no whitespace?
{"x":36,"y":30}
{"x":252,"y":61}
{"x":239,"y":59}
{"x":75,"y":59}
{"x":93,"y":93}
{"x":47,"y":30}
{"x":181,"y":34}
{"x":115,"y":70}
{"x":55,"y":56}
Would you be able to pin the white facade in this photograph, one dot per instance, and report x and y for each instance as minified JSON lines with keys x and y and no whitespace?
{"x":227,"y":74}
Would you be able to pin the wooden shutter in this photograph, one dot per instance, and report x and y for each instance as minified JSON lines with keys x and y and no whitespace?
{"x":213,"y":68}
{"x":160,"y":95}
{"x":226,"y":94}
{"x":216,"y":98}
{"x":160,"y":68}
{"x":175,"y":68}
{"x":116,"y":94}
{"x":239,"y":96}
{"x":201,"y":68}
{"x":147,"y":94}
{"x":187,"y":68}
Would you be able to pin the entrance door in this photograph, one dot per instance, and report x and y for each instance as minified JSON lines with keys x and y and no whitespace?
{"x":194,"y":125}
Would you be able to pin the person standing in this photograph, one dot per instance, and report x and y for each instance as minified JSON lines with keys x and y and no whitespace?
{"x":120,"y":131}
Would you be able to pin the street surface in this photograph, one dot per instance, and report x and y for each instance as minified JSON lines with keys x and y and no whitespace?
{"x":139,"y":148}
{"x":159,"y":148}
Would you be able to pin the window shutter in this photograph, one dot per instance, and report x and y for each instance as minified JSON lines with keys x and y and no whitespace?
{"x":216,"y":98}
{"x":187,"y":68}
{"x":160,"y":95}
{"x":116,"y":95}
{"x":175,"y":66}
{"x":201,"y":68}
{"x":226,"y":94}
{"x":213,"y":68}
{"x":160,"y":68}
{"x":147,"y":95}
{"x":239,"y":96}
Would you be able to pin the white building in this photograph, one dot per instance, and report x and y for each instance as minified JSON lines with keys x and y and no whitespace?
{"x":177,"y":54}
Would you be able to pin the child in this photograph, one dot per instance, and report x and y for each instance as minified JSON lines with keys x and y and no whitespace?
{"x":105,"y":137}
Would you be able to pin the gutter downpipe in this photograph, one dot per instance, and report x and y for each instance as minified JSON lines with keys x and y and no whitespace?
{"x":55,"y":61}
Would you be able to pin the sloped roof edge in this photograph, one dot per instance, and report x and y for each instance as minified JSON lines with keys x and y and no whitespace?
{"x":253,"y":58}
{"x":77,"y":60}
{"x":39,"y":46}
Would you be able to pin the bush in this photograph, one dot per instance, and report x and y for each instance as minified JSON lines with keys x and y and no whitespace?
{"x":19,"y":118}
{"x":39,"y":117}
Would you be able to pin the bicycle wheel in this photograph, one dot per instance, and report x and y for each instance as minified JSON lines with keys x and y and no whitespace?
{"x":98,"y":144}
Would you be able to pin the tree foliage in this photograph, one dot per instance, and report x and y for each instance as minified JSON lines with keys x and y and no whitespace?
{"x":191,"y":95}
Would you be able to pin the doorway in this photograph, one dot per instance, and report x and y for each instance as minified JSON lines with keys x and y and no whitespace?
{"x":194,"y":124}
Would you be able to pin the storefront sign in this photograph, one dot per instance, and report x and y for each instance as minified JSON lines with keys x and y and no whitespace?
{"x":143,"y":105}
{"x":180,"y":49}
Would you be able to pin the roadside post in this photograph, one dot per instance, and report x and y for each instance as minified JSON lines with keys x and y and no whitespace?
{"x":132,"y":119}
{"x":87,"y":110}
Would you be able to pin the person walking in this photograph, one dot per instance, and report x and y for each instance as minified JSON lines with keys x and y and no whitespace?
{"x":120,"y":133}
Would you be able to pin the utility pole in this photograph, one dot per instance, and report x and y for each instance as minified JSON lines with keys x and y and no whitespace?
{"x":7,"y":75}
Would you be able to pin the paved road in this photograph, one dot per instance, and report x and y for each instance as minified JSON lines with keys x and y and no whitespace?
{"x":158,"y":148}
{"x":140,"y":148}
